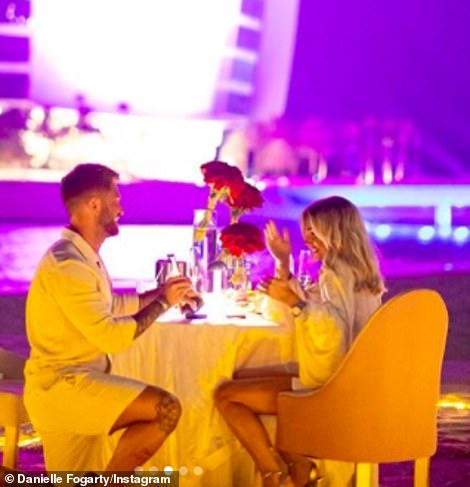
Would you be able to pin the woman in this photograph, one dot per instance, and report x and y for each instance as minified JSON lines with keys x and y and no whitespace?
{"x":327,"y":316}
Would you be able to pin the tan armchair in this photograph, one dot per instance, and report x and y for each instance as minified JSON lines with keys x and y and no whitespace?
{"x":381,"y":404}
{"x":12,"y":410}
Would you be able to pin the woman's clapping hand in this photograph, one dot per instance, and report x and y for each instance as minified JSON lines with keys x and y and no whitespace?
{"x":278,"y":244}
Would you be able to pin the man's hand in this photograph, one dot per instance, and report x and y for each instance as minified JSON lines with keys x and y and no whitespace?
{"x":175,"y":290}
{"x":171,"y":292}
{"x":192,"y":302}
{"x":166,"y":292}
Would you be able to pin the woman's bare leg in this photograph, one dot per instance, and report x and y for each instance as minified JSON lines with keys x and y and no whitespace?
{"x":240,"y":402}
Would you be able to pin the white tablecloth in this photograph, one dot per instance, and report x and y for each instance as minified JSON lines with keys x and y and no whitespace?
{"x":189,"y":360}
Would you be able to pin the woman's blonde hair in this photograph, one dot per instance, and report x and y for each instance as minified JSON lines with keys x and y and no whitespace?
{"x":339,"y":225}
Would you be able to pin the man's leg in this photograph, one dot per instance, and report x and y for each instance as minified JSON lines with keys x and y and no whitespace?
{"x":148,"y":420}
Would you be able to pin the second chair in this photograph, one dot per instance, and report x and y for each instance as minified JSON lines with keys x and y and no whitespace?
{"x":381,"y":404}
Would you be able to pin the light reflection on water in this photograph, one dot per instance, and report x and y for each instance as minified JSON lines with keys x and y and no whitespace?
{"x":454,"y":422}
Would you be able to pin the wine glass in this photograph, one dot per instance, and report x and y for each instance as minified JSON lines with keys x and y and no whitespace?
{"x":303,"y":274}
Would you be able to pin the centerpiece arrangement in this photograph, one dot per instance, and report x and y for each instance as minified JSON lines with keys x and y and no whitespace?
{"x":238,"y":240}
{"x":228,"y":186}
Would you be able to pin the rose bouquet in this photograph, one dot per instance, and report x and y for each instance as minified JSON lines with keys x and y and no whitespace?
{"x":239,"y":239}
{"x":226,"y":184}
{"x":242,"y":198}
{"x":220,"y":177}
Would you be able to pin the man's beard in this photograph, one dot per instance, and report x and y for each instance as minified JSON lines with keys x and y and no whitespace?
{"x":108,"y":224}
{"x":111,"y":228}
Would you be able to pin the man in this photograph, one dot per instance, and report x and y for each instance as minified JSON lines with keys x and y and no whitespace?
{"x":73,"y":321}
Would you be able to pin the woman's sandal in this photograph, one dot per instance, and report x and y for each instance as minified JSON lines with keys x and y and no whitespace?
{"x":283,"y":479}
{"x":313,"y":474}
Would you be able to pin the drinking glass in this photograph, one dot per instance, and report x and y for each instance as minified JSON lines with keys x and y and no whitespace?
{"x":303,"y":274}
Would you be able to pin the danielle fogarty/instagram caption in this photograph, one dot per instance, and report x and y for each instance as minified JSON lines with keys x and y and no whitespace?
{"x":84,"y":479}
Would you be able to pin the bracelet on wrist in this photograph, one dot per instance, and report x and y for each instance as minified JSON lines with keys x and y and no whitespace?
{"x":298,"y":308}
{"x":164,"y":304}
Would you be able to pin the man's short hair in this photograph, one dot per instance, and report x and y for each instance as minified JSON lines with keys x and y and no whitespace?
{"x":85,"y":179}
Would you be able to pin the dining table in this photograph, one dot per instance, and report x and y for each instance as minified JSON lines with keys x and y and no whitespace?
{"x":190,"y":357}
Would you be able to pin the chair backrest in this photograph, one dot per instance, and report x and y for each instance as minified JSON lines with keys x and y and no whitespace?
{"x":381,"y":404}
{"x":11,"y":365}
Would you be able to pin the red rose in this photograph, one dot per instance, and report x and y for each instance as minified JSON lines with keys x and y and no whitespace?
{"x":220,"y":174}
{"x":244,"y":196}
{"x":242,"y":238}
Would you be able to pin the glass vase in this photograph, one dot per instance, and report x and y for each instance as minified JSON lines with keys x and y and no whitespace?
{"x":205,"y":249}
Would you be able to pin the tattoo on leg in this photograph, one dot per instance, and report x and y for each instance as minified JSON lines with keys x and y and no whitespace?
{"x":168,"y":412}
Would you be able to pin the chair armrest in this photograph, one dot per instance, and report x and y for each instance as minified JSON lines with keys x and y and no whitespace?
{"x":278,"y":370}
